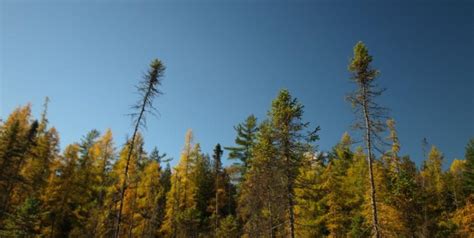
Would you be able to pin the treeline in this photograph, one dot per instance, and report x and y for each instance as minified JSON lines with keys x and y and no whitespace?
{"x":280,"y":184}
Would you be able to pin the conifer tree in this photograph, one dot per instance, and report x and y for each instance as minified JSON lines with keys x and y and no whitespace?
{"x":337,"y":196}
{"x":433,"y":188}
{"x":149,"y":192}
{"x":148,"y":89}
{"x":262,"y":201}
{"x":180,"y":200}
{"x":17,"y":135}
{"x":218,"y":182}
{"x":468,"y":175}
{"x":370,"y":114}
{"x":454,"y":186}
{"x":292,"y":143}
{"x":103,"y":153}
{"x":61,"y":197}
{"x":246,"y":135}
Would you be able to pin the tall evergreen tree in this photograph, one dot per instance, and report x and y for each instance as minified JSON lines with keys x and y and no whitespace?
{"x":292,"y":142}
{"x":370,"y":114}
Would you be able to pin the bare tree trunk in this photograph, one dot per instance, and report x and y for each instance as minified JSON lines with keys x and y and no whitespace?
{"x":370,"y":161}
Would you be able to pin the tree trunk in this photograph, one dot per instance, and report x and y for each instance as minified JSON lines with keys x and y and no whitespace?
{"x":370,"y":161}
{"x":217,"y":203}
{"x":289,"y":192}
{"x":292,"y":213}
{"x":124,"y":184}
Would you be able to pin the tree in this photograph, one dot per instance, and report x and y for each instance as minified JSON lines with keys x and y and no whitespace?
{"x":453,"y":179}
{"x":61,"y":197}
{"x":149,"y":193}
{"x":468,"y":175}
{"x":338,"y":196}
{"x":182,"y":218}
{"x":103,"y":153}
{"x":433,"y":186}
{"x":228,"y":228}
{"x":464,"y":218}
{"x":16,"y":137}
{"x":370,"y":114}
{"x":292,"y":142}
{"x":148,"y":90}
{"x":222,"y":204}
{"x":87,"y":181}
{"x":165,"y":184}
{"x":218,"y":181}
{"x":262,"y":202}
{"x":25,"y":222}
{"x":245,"y":140}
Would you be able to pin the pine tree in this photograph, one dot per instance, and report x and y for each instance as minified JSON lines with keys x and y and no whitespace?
{"x":245,"y":140}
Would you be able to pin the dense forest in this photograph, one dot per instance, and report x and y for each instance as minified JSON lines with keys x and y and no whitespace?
{"x":277,"y":183}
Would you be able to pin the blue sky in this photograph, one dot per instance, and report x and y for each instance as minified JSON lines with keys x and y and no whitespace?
{"x":228,"y":59}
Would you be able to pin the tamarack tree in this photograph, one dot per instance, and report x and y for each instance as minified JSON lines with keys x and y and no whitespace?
{"x":370,"y":115}
{"x":148,"y":90}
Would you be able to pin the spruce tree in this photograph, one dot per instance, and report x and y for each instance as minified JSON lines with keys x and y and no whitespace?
{"x":370,"y":114}
{"x":293,"y":142}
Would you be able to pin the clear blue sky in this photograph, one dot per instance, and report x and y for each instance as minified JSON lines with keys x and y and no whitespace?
{"x":228,"y":59}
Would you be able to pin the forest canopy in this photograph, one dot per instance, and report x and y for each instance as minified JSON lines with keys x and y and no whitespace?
{"x":279,"y":185}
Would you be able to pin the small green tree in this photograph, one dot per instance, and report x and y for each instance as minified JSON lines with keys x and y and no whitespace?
{"x":245,"y":140}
